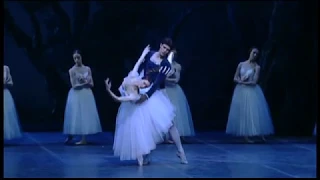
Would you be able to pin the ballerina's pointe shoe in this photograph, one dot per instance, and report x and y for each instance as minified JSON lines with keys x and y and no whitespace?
{"x":182,"y":156}
{"x":168,"y":142}
{"x":140,"y":160}
{"x":68,"y":140}
{"x":81,"y":143}
{"x":247,"y":140}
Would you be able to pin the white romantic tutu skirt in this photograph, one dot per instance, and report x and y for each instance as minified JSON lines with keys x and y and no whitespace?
{"x":11,"y":125}
{"x":183,"y":120}
{"x":81,"y":116}
{"x":249,"y":112}
{"x":140,"y":127}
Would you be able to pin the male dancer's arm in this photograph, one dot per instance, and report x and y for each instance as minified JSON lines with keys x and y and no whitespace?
{"x":163,"y":71}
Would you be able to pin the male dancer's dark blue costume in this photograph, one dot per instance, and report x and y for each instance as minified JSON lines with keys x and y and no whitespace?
{"x":155,"y":74}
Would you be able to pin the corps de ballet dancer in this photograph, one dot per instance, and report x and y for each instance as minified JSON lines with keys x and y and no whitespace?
{"x":11,"y":125}
{"x":153,"y":65}
{"x":183,"y":119}
{"x":138,"y":128}
{"x":81,"y":114}
{"x":249,"y":114}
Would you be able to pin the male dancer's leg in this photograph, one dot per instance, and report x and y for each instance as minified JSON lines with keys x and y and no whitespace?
{"x":173,"y":131}
{"x":176,"y":139}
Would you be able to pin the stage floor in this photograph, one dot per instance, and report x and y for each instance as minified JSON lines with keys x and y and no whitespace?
{"x":211,"y":155}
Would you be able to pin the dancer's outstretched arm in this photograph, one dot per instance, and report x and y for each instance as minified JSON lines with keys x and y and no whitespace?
{"x":141,"y":59}
{"x":119,"y":98}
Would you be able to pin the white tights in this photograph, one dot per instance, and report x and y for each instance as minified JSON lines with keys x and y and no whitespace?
{"x":176,"y":138}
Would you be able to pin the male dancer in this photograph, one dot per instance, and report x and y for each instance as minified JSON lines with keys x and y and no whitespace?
{"x":156,"y":67}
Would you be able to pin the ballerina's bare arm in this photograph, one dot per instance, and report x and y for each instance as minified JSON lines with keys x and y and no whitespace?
{"x":236,"y":77}
{"x":141,"y":59}
{"x":129,"y":97}
{"x":126,"y":98}
{"x":177,"y":72}
{"x":89,"y":78}
{"x":137,"y":65}
{"x":73,"y":79}
{"x":255,"y":76}
{"x":9,"y":78}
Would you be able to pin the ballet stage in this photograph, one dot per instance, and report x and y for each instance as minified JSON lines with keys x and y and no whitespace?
{"x":209,"y":155}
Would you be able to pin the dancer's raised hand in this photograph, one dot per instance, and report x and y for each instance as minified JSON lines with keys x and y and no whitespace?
{"x":108,"y":83}
{"x":146,"y":50}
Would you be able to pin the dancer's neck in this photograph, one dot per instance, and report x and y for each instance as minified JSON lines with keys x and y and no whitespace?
{"x":159,"y":56}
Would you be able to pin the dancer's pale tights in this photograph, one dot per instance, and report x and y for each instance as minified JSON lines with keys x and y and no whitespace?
{"x":176,"y":137}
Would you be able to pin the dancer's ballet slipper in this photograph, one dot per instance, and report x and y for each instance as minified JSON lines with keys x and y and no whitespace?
{"x":82,"y":142}
{"x":183,"y":158}
{"x":248,"y":140}
{"x":68,"y":139}
{"x":140,"y":160}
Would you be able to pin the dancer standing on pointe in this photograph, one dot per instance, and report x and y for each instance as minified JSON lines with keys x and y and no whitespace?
{"x":81,"y":115}
{"x":183,"y":119}
{"x":249,"y":112}
{"x":136,"y":134}
{"x":11,"y":126}
{"x":155,"y":61}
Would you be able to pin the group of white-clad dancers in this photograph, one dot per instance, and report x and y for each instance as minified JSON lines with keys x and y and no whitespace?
{"x":153,"y":106}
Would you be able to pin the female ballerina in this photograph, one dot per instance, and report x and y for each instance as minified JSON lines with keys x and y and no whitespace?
{"x":11,"y":126}
{"x":249,"y":112}
{"x":138,"y":129}
{"x":81,"y":115}
{"x":183,"y":119}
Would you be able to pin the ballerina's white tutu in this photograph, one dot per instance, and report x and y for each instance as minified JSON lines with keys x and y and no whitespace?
{"x":183,"y":119}
{"x":11,"y":126}
{"x":249,"y":112}
{"x":81,"y":115}
{"x":139,"y":128}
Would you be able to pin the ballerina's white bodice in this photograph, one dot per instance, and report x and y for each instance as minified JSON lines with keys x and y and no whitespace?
{"x":246,"y":73}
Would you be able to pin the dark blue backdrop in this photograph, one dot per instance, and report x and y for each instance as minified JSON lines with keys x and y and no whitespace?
{"x":211,"y":38}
